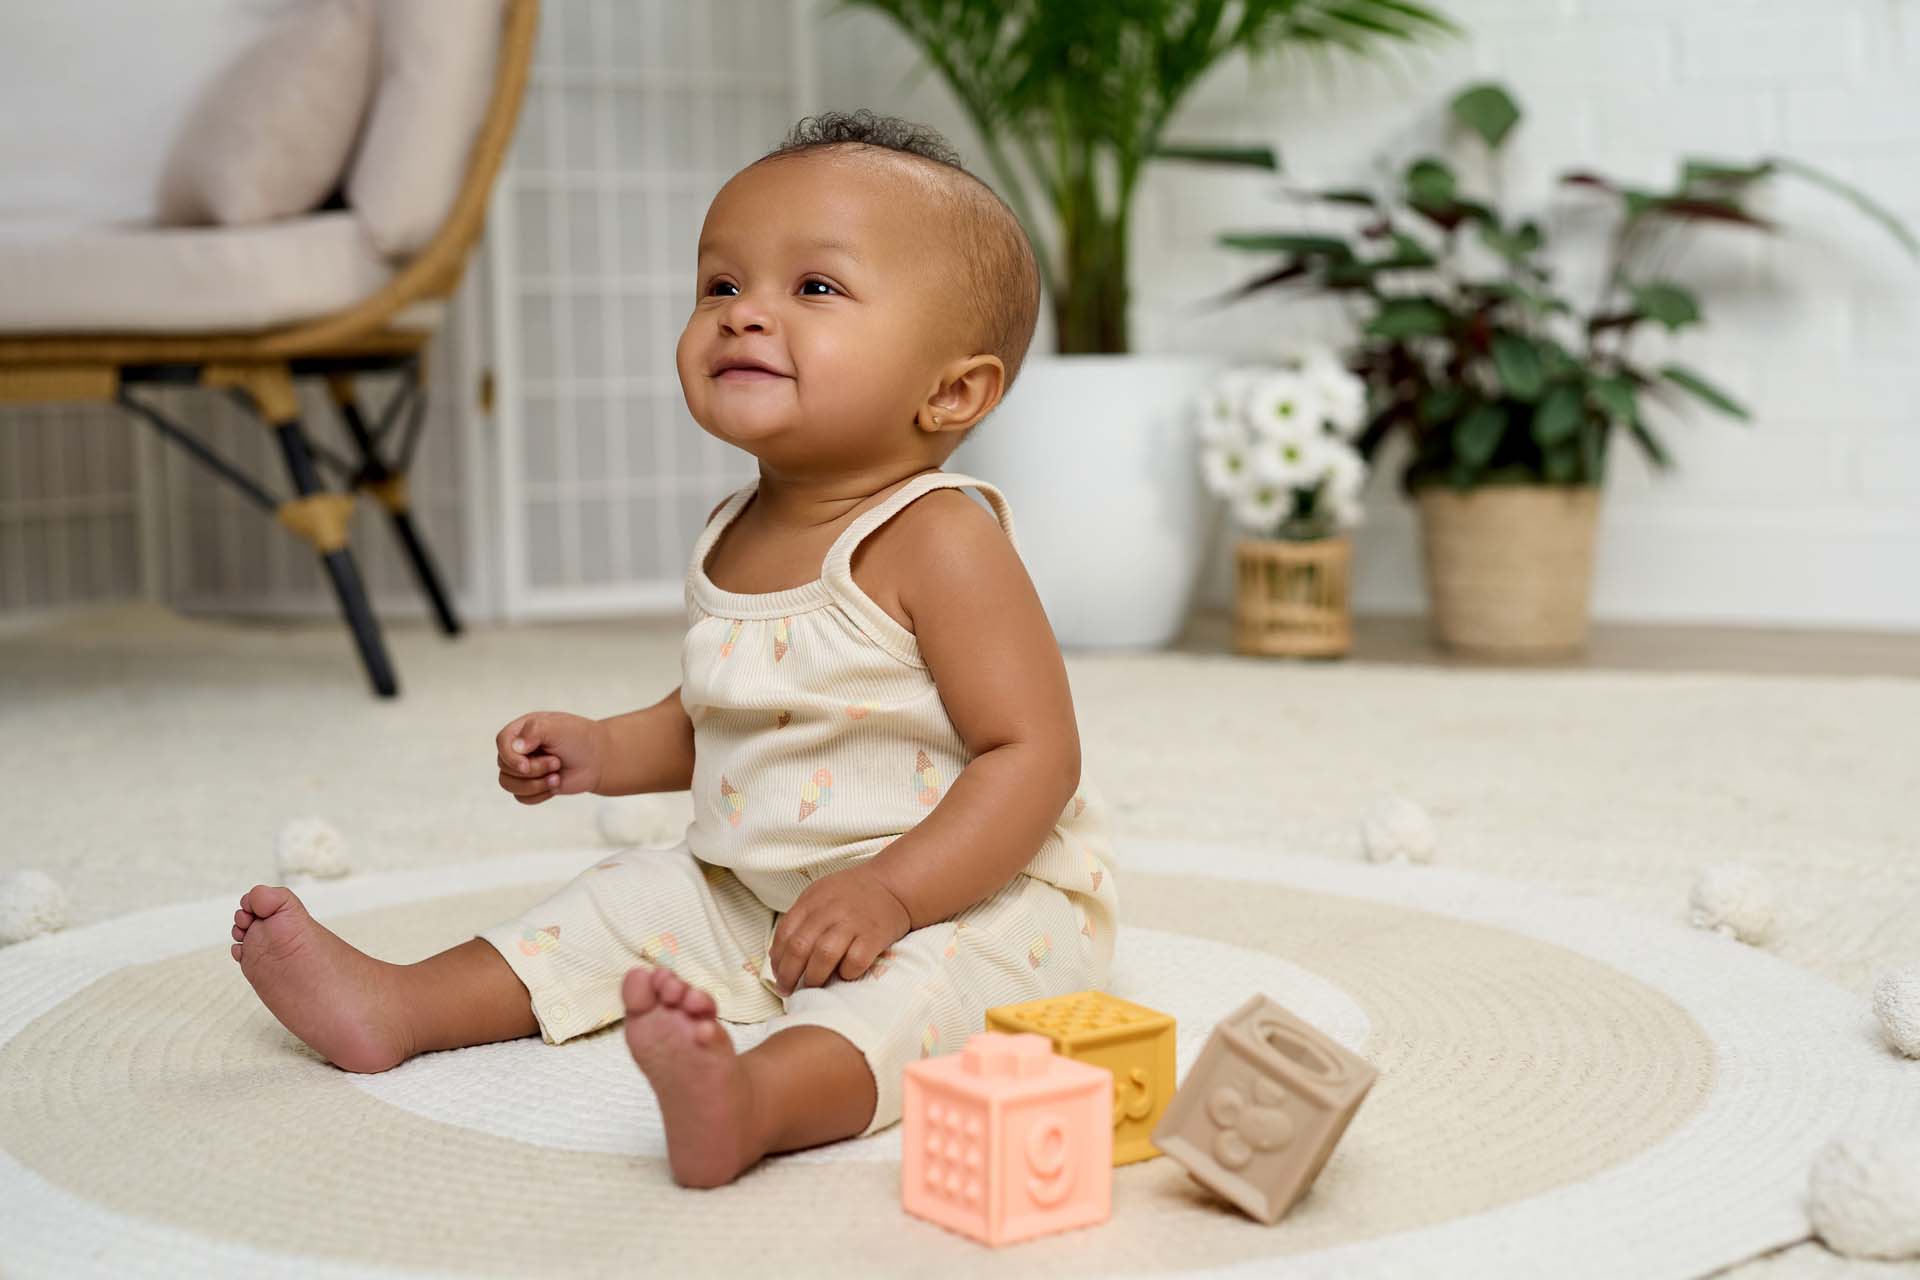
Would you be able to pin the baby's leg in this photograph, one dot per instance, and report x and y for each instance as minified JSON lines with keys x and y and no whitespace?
{"x":723,"y":1111}
{"x":367,"y":1015}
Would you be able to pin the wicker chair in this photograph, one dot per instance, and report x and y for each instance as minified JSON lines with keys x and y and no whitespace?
{"x":381,"y":333}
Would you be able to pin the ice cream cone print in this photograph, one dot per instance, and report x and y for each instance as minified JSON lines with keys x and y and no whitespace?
{"x":953,"y":943}
{"x":780,"y":637}
{"x":732,"y":803}
{"x":881,"y":963}
{"x":733,"y":634}
{"x":659,"y":950}
{"x":782,"y":719}
{"x":927,"y":780}
{"x":929,"y":1041}
{"x":534,"y":941}
{"x":1095,"y":872}
{"x":815,"y":791}
{"x":1086,"y":922}
{"x":1079,"y":805}
{"x":859,"y":710}
{"x":1038,"y":952}
{"x":606,"y":866}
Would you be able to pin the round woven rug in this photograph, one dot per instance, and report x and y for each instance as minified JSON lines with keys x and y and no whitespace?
{"x":1565,"y":1087}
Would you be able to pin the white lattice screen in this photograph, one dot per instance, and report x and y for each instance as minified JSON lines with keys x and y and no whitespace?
{"x":638,"y":112}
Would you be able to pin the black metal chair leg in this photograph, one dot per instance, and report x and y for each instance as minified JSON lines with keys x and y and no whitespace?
{"x":340,"y":564}
{"x":359,"y":614}
{"x":389,"y":487}
{"x":424,"y":572}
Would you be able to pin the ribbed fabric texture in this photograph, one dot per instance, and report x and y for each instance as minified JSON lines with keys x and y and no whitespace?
{"x":819,"y":735}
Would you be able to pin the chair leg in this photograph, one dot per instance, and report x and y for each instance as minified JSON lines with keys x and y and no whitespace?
{"x":317,"y":515}
{"x":389,"y":486}
{"x":339,"y":560}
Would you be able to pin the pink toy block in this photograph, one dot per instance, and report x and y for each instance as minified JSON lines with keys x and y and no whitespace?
{"x":1006,"y":1140}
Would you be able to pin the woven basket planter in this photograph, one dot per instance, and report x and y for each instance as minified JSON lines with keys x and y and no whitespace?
{"x":1510,"y":567}
{"x":1294,"y":599}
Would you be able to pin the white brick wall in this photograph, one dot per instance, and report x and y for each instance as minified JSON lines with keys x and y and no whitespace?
{"x":1811,"y":514}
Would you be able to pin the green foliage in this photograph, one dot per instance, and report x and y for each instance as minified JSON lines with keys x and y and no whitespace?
{"x":1467,"y":344}
{"x":1488,"y":111}
{"x":1071,"y":99}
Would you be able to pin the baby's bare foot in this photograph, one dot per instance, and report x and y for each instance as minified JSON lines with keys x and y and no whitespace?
{"x":706,"y":1098}
{"x":338,"y":999}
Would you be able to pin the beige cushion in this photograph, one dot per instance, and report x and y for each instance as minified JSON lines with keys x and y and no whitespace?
{"x":270,"y":136}
{"x":436,"y":78}
{"x":186,"y":280}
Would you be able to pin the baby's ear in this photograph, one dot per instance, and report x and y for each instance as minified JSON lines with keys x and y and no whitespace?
{"x":967,"y":391}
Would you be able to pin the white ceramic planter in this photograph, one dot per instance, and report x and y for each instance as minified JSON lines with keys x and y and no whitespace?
{"x":1096,"y":454}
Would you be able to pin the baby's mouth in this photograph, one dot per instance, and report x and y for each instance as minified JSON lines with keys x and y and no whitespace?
{"x":745,"y":373}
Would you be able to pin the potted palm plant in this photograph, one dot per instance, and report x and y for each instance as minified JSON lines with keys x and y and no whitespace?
{"x":1509,"y":393}
{"x":1071,"y":101}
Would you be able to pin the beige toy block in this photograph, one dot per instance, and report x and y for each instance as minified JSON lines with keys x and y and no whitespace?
{"x":1263,"y":1108}
{"x":1132,"y":1041}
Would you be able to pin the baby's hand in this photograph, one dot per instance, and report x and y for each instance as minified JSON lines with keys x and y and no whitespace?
{"x":550,"y":753}
{"x":838,"y":924}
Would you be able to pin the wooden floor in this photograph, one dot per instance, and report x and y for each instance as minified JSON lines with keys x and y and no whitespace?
{"x":1630,"y":647}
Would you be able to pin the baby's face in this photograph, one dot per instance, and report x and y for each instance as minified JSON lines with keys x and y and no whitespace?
{"x":828,"y":272}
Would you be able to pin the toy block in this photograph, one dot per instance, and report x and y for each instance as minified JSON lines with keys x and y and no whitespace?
{"x":1006,"y":1140}
{"x":1263,"y":1107}
{"x":1132,"y":1041}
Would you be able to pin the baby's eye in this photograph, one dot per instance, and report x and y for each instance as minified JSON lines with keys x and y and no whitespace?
{"x":808,"y":284}
{"x":722,"y":284}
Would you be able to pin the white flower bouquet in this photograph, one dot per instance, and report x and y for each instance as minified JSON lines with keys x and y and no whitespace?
{"x":1276,"y":443}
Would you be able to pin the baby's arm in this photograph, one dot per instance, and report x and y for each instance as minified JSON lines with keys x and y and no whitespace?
{"x":986,"y":640}
{"x":648,"y":750}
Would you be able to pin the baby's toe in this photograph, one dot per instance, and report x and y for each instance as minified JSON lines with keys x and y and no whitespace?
{"x":239,"y":934}
{"x":264,"y":899}
{"x":637,"y":992}
{"x":234,"y":951}
{"x":672,"y":990}
{"x":698,"y":1003}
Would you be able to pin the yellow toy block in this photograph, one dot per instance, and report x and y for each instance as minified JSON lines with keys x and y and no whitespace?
{"x":1132,"y":1041}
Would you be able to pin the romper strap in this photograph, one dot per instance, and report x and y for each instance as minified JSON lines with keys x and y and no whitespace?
{"x":837,"y":572}
{"x":717,"y":525}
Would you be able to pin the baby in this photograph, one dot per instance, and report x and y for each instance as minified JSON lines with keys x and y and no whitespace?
{"x":890,"y":833}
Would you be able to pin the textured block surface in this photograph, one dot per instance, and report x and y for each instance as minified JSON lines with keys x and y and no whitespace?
{"x":1263,"y":1108}
{"x":1133,"y":1042}
{"x":1006,"y":1140}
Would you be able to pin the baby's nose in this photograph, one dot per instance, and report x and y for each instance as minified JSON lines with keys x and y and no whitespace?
{"x":745,"y":316}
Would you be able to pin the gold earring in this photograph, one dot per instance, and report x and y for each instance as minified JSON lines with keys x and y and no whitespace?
{"x":936,"y":419}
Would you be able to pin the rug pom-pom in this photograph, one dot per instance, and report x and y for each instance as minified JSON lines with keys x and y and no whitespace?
{"x":31,"y":903}
{"x":1733,"y":901}
{"x":1397,"y":830}
{"x":310,"y":846}
{"x":651,"y":820}
{"x":1863,"y":1195}
{"x":1896,"y":1002}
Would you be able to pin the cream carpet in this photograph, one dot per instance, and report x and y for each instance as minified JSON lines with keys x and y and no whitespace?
{"x":1568,"y":1075}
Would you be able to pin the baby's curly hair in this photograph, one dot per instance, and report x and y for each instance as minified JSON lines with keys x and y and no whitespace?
{"x":999,"y":275}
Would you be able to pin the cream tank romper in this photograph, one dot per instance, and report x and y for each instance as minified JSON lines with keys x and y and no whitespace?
{"x":819,"y":737}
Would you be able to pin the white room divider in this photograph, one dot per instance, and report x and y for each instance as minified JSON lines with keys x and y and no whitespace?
{"x":638,"y":112}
